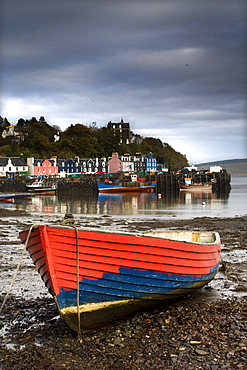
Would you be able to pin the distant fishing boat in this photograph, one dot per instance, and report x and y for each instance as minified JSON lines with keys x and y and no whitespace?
{"x":10,"y":198}
{"x":41,"y":187}
{"x":132,"y":184}
{"x":98,"y":275}
{"x":6,"y":199}
{"x":189,"y":186}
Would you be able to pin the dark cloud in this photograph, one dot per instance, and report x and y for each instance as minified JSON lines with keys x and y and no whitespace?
{"x":173,"y":69}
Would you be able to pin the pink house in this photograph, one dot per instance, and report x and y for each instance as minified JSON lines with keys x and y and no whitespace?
{"x":42,"y":167}
{"x":114,"y":164}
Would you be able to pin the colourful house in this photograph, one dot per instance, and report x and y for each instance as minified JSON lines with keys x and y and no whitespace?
{"x":77,"y":166}
{"x":42,"y":167}
{"x":115,"y":164}
{"x":129,"y":163}
{"x":151,"y":163}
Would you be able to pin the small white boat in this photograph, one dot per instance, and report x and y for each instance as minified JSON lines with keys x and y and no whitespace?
{"x":39,"y":186}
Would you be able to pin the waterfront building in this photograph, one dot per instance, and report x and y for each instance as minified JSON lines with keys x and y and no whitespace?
{"x":77,"y":166}
{"x":9,"y":167}
{"x":151,"y":163}
{"x":42,"y":167}
{"x":129,"y":163}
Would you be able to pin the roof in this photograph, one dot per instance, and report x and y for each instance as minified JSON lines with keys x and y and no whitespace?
{"x":3,"y":161}
{"x":16,"y":161}
{"x":39,"y":162}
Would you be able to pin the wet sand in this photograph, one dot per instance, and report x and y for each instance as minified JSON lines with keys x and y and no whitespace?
{"x":206,"y":330}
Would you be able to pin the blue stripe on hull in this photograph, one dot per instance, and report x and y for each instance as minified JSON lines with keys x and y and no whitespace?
{"x":120,"y":186}
{"x":129,"y":284}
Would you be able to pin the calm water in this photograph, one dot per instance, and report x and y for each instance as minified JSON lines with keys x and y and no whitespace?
{"x":185,"y":205}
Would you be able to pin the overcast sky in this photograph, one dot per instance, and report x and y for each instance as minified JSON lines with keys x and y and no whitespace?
{"x":175,"y":70}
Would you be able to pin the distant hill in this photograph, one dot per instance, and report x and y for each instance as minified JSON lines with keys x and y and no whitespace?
{"x":235,"y":167}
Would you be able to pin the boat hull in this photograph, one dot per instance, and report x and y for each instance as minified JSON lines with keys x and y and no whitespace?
{"x":195,"y":187}
{"x":41,"y":187}
{"x":6,"y":200}
{"x":106,"y":275}
{"x":48,"y":191}
{"x":121,"y":188}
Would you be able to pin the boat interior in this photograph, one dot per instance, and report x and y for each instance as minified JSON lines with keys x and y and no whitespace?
{"x":187,"y":236}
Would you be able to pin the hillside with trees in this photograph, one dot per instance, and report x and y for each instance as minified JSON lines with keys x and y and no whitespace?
{"x":36,"y":138}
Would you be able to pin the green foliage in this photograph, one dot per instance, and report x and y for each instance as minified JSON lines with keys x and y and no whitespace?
{"x":82,"y":141}
{"x":107,"y":142}
{"x":3,"y":123}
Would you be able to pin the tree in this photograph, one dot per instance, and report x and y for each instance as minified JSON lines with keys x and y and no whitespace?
{"x":108,"y":142}
{"x":42,"y":119}
{"x":83,"y":141}
{"x":21,"y":123}
{"x":4,"y":122}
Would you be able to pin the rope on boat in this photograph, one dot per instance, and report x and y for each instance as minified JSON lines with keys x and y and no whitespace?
{"x":17,"y":268}
{"x":78,"y":286}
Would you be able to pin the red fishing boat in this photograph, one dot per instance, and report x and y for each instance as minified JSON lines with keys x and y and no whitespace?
{"x":99,"y":275}
{"x":4,"y":199}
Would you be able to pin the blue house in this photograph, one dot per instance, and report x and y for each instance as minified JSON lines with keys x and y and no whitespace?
{"x":76,"y":166}
{"x":151,"y":163}
{"x":69,"y":166}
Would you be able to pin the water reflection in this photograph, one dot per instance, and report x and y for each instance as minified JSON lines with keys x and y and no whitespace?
{"x":196,"y":197}
{"x":128,"y":204}
{"x":125,"y":204}
{"x":181,"y":205}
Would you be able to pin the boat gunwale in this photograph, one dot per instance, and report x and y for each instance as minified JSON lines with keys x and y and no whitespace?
{"x":138,"y":234}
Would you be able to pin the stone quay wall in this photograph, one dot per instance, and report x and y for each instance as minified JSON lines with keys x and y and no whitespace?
{"x":166,"y":183}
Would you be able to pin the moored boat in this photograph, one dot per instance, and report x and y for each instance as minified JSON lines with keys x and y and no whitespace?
{"x":99,"y":275}
{"x":40,"y":187}
{"x":10,"y":198}
{"x":195,"y":186}
{"x":123,"y":184}
{"x":4,"y":199}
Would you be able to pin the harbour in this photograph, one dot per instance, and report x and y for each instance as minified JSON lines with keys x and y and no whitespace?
{"x":166,"y":205}
{"x":123,"y":185}
{"x":165,"y":183}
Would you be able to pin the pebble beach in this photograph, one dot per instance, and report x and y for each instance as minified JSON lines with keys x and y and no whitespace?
{"x":206,"y":330}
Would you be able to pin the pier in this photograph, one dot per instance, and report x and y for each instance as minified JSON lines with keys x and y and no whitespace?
{"x":167,"y":184}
